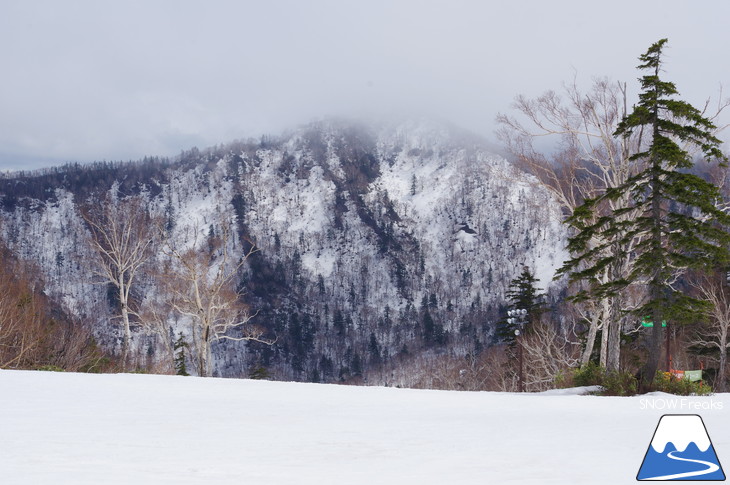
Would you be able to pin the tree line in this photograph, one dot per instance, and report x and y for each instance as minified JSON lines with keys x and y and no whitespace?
{"x":648,"y":229}
{"x":647,"y":242}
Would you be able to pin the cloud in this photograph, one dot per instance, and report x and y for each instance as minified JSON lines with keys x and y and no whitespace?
{"x":90,"y":79}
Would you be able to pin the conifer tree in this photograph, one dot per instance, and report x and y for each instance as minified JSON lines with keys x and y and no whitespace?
{"x":522,"y":295}
{"x":179,"y":349}
{"x":678,"y":222}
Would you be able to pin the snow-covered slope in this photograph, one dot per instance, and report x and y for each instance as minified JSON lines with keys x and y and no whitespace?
{"x":680,"y":431}
{"x":119,"y":429}
{"x":374,"y":242}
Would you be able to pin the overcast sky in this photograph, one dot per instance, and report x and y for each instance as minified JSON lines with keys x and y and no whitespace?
{"x":117,"y":80}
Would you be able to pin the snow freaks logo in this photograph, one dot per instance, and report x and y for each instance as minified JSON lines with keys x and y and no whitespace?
{"x":680,"y":405}
{"x":681,"y":450}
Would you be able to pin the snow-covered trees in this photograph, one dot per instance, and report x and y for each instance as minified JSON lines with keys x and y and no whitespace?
{"x":524,"y":301}
{"x":347,"y":252}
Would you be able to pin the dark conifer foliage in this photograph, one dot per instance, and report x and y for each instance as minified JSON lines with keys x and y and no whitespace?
{"x":674,"y":213}
{"x":522,"y":294}
{"x":83,"y":180}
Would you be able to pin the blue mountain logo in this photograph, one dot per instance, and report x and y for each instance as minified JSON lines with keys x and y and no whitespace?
{"x":681,"y":450}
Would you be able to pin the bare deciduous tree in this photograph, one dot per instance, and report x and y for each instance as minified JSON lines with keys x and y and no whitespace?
{"x":122,"y":234}
{"x":155,"y":317}
{"x":21,"y":326}
{"x":202,"y":285}
{"x":548,"y":356}
{"x":589,"y":161}
{"x":29,"y":336}
{"x":714,"y":334}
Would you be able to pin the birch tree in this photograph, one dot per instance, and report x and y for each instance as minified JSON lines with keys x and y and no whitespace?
{"x":121,"y":235}
{"x":202,"y":283}
{"x":714,"y":333}
{"x":589,"y":160}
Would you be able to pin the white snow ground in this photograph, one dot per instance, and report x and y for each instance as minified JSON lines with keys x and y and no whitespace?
{"x":58,"y":428}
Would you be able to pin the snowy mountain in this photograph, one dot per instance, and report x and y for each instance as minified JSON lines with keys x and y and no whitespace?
{"x":374,"y":243}
{"x":681,"y":430}
{"x":680,"y":450}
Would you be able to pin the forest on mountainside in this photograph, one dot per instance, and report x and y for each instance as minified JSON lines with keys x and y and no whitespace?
{"x":351,"y":250}
{"x":405,"y":254}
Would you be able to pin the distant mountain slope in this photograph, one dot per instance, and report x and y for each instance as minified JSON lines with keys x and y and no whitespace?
{"x":373,"y":241}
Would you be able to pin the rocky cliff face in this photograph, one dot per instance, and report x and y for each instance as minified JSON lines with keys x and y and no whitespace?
{"x":373,"y":242}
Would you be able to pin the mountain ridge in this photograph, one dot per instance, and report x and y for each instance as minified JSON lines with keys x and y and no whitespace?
{"x":363,"y":255}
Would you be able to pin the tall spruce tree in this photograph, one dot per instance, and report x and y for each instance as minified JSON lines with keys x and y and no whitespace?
{"x":677,"y":220}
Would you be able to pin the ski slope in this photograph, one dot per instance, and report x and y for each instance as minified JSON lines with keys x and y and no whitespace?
{"x":58,"y":428}
{"x":711,"y":468}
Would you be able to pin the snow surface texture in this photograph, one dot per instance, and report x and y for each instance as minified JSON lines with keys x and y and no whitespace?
{"x":143,"y":429}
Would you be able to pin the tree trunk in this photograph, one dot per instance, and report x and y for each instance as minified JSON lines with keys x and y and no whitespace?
{"x":204,"y":366}
{"x":613,"y":324}
{"x":720,"y":381}
{"x":202,"y":358}
{"x":605,"y":328}
{"x":656,"y":284}
{"x":125,"y":322}
{"x":720,"y":385}
{"x":208,"y":359}
{"x":590,"y":341}
{"x":613,"y":353}
{"x":652,"y":362}
{"x":655,"y":341}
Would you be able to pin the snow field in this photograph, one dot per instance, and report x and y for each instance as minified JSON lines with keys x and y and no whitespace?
{"x":59,"y":428}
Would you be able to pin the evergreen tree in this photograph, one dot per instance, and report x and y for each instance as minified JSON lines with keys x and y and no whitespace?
{"x":429,"y":329}
{"x":338,"y":323}
{"x":677,"y":222}
{"x":259,"y":373}
{"x":179,"y":350}
{"x":374,"y":349}
{"x":522,"y":295}
{"x":433,"y":332}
